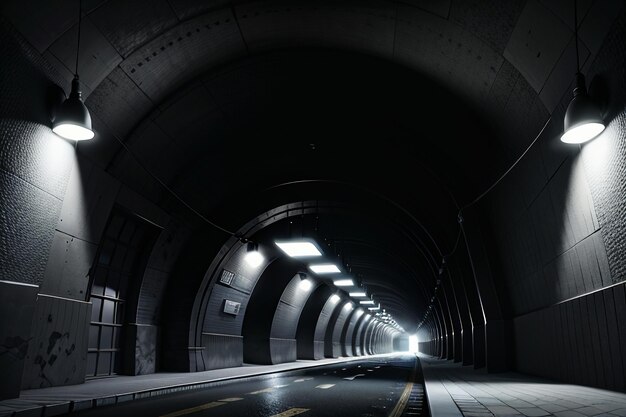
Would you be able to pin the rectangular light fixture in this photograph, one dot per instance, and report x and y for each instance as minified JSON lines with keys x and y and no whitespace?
{"x":343,"y":283}
{"x":374,"y":308}
{"x":358,"y":294}
{"x":299,"y":248}
{"x":370,"y":302}
{"x":324,"y":268}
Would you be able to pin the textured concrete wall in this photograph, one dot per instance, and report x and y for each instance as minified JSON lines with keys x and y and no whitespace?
{"x":558,"y":230}
{"x":17,"y":305}
{"x":58,"y":352}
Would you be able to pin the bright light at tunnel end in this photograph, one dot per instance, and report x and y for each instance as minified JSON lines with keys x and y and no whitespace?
{"x":413,"y":344}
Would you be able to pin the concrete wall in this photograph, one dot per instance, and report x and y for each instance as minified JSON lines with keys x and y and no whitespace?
{"x":582,"y":340}
{"x":557,"y":225}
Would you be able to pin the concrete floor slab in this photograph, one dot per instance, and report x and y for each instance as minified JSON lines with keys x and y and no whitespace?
{"x":511,"y":393}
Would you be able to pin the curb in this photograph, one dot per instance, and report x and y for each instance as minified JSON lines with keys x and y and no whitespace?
{"x":64,"y":407}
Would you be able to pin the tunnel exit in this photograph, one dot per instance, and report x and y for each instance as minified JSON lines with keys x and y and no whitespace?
{"x":413,"y":344}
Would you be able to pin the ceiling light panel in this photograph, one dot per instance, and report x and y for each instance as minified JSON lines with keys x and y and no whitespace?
{"x":299,"y":248}
{"x":324,"y":268}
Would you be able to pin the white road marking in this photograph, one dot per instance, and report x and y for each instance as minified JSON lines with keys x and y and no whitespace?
{"x":377,"y":367}
{"x":281,"y":386}
{"x":261,"y":391}
{"x":303,"y":379}
{"x":325,"y":386}
{"x":343,"y":369}
{"x":351,"y":378}
{"x":291,"y":412}
{"x":370,"y":370}
{"x":230,"y":400}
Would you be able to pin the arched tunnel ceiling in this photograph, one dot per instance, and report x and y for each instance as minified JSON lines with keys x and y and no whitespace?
{"x":244,"y":106}
{"x":390,"y":262}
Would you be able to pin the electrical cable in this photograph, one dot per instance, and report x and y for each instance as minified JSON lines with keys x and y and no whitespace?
{"x":80,"y":19}
{"x":476,"y":200}
{"x":173,"y":193}
{"x":484,"y":193}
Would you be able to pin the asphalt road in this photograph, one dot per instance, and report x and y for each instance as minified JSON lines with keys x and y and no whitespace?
{"x":369,"y":387}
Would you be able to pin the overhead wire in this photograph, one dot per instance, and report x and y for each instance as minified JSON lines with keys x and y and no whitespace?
{"x":172,"y":192}
{"x":475,"y":201}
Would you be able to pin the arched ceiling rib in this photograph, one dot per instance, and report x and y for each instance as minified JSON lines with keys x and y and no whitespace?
{"x":223,"y":100}
{"x":509,"y":58}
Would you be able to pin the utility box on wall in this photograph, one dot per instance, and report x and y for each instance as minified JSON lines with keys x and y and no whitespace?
{"x":231,"y":307}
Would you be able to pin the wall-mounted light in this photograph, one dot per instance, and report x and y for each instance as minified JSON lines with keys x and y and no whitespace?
{"x":583,"y":118}
{"x":305,"y":285}
{"x":324,"y":268}
{"x":348,"y":307}
{"x":71,"y":118}
{"x":253,"y":256}
{"x":334,"y":298}
{"x":299,"y":248}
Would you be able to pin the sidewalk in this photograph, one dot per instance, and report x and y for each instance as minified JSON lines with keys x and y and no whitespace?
{"x":455,"y":391}
{"x":53,"y":401}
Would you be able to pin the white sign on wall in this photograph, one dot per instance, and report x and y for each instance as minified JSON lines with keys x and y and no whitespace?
{"x":231,"y":307}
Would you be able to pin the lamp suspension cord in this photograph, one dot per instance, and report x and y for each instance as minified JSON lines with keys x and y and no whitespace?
{"x":80,"y":18}
{"x":576,"y":35}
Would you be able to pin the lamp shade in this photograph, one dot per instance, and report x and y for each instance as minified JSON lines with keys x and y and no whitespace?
{"x":583,"y":119}
{"x":72,"y":119}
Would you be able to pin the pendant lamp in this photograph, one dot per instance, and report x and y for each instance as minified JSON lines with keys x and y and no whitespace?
{"x":72,"y":119}
{"x":583,"y":118}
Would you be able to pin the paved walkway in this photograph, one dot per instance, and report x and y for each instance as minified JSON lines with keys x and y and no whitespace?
{"x":105,"y":391}
{"x":454,"y":391}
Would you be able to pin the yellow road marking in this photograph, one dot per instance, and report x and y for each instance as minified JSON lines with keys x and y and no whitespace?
{"x":194,"y":409}
{"x":261,"y":391}
{"x":230,"y":400}
{"x":404,"y":397}
{"x":325,"y":386}
{"x":291,"y":412}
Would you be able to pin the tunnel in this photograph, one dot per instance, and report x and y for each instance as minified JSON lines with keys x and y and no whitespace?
{"x":275,"y":208}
